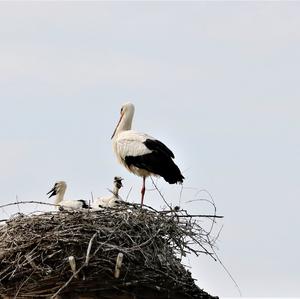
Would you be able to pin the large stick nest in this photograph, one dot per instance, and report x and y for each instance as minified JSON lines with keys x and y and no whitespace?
{"x":35,"y":251}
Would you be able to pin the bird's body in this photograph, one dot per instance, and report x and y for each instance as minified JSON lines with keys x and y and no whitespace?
{"x":109,"y":201}
{"x":142,"y":154}
{"x":74,"y":204}
{"x":59,"y":190}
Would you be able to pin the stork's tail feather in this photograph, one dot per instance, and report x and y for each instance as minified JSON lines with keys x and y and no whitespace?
{"x":157,"y":163}
{"x":174,"y":180}
{"x":173,"y":175}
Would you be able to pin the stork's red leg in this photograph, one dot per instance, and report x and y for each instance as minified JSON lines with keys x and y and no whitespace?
{"x":143,"y":191}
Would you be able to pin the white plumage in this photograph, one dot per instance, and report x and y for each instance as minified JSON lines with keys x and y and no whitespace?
{"x":109,"y":201}
{"x":59,"y":190}
{"x":131,"y":143}
{"x":142,"y":154}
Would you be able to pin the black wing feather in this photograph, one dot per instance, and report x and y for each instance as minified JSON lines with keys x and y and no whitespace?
{"x":156,"y":145}
{"x":159,"y":162}
{"x":84,"y":204}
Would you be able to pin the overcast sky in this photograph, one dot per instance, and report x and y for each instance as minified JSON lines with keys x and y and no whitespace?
{"x":217,"y":82}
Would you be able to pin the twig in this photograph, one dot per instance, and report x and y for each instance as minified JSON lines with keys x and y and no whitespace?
{"x":22,"y":284}
{"x":92,"y":197}
{"x":160,"y":193}
{"x":127,"y":196}
{"x":85,"y":264}
{"x":227,"y":271}
{"x":67,"y":283}
{"x":118,"y":266}
{"x":89,"y":249}
{"x":17,"y":200}
{"x":72,"y":263}
{"x":25,"y":202}
{"x":200,"y":216}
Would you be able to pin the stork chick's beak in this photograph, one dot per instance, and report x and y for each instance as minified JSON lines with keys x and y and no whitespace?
{"x":52,"y":192}
{"x":117,"y":126}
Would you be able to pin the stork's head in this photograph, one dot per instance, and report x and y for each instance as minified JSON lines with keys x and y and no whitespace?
{"x":59,"y":187}
{"x":126,"y":116}
{"x":118,"y":182}
{"x":128,"y":109}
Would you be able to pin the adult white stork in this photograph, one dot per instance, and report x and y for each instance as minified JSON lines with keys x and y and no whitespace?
{"x":112,"y":200}
{"x":142,"y":154}
{"x":59,"y":190}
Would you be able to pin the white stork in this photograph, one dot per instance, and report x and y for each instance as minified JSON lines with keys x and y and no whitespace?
{"x":142,"y":154}
{"x":59,"y":190}
{"x":109,"y":201}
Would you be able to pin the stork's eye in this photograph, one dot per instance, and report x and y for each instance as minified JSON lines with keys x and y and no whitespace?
{"x":122,"y":109}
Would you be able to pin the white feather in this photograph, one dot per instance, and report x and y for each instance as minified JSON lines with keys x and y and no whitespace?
{"x":72,"y":204}
{"x":131,"y":143}
{"x":105,"y":202}
{"x":109,"y":201}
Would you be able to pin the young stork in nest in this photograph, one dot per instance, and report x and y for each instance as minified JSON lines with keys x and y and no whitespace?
{"x":142,"y":154}
{"x":59,"y":190}
{"x":109,"y":201}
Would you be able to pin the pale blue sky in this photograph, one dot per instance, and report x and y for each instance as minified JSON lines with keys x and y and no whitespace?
{"x":218,"y":82}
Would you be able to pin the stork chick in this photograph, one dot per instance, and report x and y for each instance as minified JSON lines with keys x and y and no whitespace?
{"x":109,"y":201}
{"x":59,"y":190}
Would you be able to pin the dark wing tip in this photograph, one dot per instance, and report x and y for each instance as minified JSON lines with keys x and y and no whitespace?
{"x":84,"y":204}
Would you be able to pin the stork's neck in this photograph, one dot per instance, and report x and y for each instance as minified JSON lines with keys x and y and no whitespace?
{"x":60,"y":196}
{"x":116,"y":191}
{"x":125,"y":123}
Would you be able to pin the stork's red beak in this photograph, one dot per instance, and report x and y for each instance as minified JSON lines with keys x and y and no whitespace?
{"x":117,"y":126}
